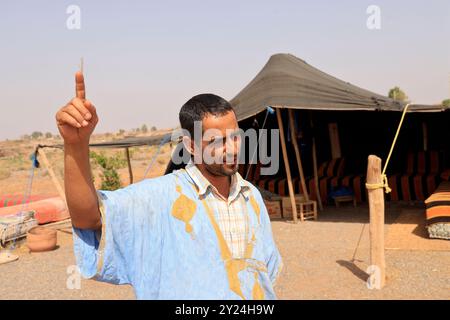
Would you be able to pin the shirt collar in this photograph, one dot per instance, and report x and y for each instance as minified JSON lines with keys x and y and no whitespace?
{"x":238,"y":184}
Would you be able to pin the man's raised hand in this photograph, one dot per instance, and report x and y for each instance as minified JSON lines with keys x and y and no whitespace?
{"x":77,"y":120}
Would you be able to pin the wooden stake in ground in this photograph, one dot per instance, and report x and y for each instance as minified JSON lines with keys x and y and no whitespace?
{"x":286,"y":165}
{"x":377,"y":268}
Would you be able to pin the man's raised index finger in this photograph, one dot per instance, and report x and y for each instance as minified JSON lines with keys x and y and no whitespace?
{"x":80,"y":89}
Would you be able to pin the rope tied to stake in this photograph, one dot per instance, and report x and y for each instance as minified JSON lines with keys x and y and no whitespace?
{"x":385,"y":183}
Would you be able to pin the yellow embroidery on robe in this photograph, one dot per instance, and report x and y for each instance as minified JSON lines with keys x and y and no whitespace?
{"x":184,"y":209}
{"x":233,"y":266}
{"x":255,"y":207}
{"x":257,"y":292}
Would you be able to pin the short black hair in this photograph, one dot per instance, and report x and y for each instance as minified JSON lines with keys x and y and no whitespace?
{"x":199,"y":106}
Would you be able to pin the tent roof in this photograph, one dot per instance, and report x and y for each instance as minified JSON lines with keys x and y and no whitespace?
{"x":288,"y":81}
{"x":126,"y":143}
{"x":134,"y":142}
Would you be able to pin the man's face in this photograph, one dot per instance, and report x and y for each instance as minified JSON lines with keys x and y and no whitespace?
{"x":221,"y":143}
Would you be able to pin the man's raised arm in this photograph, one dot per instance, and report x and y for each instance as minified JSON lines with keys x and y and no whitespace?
{"x":76,"y":121}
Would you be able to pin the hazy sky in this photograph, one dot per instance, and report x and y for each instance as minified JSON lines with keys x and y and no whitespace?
{"x":144,"y":59}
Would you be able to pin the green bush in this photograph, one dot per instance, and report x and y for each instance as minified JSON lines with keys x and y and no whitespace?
{"x":110,"y":177}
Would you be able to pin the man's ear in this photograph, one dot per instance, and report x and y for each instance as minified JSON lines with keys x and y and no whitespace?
{"x":188,"y":144}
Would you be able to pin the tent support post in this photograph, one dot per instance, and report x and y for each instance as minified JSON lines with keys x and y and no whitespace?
{"x":52,"y":174}
{"x":314,"y":159}
{"x":334,"y":140}
{"x":425,"y":136}
{"x":286,"y":164}
{"x":130,"y":171}
{"x":377,"y":267}
{"x":297,"y":153}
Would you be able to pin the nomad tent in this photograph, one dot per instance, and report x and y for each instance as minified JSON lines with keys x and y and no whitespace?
{"x":287,"y":82}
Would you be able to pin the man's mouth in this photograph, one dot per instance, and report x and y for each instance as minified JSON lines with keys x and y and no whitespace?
{"x":231,"y":161}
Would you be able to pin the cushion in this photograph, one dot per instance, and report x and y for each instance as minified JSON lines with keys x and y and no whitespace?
{"x":438,"y":212}
{"x":423,"y":162}
{"x":332,"y":168}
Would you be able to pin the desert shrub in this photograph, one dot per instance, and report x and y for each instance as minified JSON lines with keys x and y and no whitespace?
{"x":37,"y":135}
{"x":119,"y":161}
{"x":109,"y":176}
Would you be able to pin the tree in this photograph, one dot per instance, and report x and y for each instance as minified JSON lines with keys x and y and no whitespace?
{"x":153,"y":128}
{"x":397,"y":94}
{"x":144,"y":128}
{"x":36,"y":135}
{"x":446,"y":103}
{"x":48,"y":135}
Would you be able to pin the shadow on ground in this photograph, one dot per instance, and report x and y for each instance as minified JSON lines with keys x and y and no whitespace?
{"x":353,"y":268}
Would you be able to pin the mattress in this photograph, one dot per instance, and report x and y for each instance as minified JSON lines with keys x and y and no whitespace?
{"x":438,"y":212}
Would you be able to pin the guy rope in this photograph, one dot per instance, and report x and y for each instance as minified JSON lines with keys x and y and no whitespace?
{"x":384,"y":184}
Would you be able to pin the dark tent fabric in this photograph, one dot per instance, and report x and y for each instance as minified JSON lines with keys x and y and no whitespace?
{"x":134,"y":142}
{"x":287,"y":81}
{"x":125,"y":143}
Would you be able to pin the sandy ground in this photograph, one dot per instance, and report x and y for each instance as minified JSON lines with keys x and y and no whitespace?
{"x":317,"y":265}
{"x":318,"y":255}
{"x":319,"y":261}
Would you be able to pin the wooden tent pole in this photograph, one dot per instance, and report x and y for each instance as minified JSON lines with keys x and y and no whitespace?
{"x":334,"y":140}
{"x":297,"y":153}
{"x":376,"y":206}
{"x":130,"y":171}
{"x":314,"y":159}
{"x":52,"y":174}
{"x":425,"y":136}
{"x":286,"y":165}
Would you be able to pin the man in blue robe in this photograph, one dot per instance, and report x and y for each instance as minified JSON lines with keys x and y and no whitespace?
{"x":202,"y":232}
